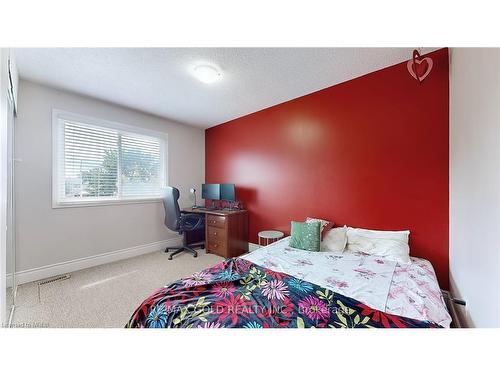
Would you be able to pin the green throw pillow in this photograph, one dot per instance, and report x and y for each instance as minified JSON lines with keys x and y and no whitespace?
{"x":306,"y":236}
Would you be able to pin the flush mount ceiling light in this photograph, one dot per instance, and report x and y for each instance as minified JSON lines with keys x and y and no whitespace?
{"x":207,"y":73}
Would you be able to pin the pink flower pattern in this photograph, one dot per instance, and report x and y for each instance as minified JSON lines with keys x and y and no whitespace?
{"x":314,"y":308}
{"x":275,"y":289}
{"x":367,"y":274}
{"x":337,"y":283}
{"x":304,"y":262}
{"x":268,"y":263}
{"x":198,"y":278}
{"x":223,"y":289}
{"x":210,"y":325}
{"x":412,"y":280}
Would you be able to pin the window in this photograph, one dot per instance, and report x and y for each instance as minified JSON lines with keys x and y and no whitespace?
{"x":99,"y":162}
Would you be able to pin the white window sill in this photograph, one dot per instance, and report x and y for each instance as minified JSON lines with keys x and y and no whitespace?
{"x":72,"y":204}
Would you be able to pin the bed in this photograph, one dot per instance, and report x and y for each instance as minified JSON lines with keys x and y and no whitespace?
{"x":278,"y":286}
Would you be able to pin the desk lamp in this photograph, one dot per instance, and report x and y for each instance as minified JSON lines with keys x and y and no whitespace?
{"x":192,"y":191}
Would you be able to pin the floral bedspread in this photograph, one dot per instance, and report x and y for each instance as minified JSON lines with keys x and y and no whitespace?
{"x":352,"y":274}
{"x":409,"y":290}
{"x":415,"y":293}
{"x":239,"y":293}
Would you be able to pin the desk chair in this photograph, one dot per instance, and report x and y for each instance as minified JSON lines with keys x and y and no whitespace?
{"x":181,"y":223}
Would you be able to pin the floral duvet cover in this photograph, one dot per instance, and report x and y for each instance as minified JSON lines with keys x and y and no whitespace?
{"x":239,"y":293}
{"x":410,"y":290}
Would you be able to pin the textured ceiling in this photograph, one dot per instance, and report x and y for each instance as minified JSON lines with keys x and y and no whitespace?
{"x":158,"y":80}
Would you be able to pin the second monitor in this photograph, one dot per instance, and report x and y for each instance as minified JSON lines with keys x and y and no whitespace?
{"x":227,"y":192}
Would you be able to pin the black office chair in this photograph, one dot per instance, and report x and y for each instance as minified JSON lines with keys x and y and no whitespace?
{"x":179,"y":222}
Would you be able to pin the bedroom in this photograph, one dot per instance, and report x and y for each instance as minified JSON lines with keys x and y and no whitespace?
{"x":249,"y":187}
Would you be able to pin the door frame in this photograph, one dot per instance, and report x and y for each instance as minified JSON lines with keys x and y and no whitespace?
{"x":4,"y":86}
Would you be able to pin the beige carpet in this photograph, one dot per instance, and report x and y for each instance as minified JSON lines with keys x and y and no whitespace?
{"x":103,"y":296}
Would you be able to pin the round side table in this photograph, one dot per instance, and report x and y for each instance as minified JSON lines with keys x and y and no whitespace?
{"x":269,"y":236}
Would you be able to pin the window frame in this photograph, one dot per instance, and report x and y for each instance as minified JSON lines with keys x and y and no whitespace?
{"x":58,"y":118}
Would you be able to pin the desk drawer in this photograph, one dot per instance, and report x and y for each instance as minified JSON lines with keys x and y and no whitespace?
{"x":216,"y":221}
{"x":216,"y":234}
{"x":217,"y":247}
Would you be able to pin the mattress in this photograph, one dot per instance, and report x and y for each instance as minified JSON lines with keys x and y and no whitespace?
{"x":408,"y":290}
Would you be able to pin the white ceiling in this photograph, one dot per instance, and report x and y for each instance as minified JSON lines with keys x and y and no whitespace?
{"x":159,"y":80}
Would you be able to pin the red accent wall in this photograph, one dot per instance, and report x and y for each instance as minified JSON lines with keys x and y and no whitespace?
{"x":371,"y":153}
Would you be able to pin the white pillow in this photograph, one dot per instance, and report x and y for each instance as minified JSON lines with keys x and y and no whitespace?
{"x":335,"y":240}
{"x":392,"y":245}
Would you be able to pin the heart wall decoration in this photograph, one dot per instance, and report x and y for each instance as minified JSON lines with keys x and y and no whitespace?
{"x":419,"y":67}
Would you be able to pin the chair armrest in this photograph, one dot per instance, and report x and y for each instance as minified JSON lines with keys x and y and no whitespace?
{"x":190,"y":222}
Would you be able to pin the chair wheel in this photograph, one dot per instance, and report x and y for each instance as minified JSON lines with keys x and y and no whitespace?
{"x":170,"y":257}
{"x":166,"y":250}
{"x":195,"y":255}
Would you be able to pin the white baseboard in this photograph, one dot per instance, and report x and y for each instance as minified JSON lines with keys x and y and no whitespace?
{"x":252,"y":246}
{"x":51,"y":270}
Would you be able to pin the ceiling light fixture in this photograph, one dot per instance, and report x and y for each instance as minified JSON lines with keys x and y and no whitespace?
{"x":206,"y":73}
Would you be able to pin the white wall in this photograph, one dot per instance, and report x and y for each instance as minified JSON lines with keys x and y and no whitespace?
{"x":47,"y":236}
{"x":475,"y":183}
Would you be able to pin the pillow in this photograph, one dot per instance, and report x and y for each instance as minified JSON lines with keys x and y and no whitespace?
{"x":305,"y":236}
{"x":392,"y":245}
{"x":325,"y":224}
{"x":335,"y":240}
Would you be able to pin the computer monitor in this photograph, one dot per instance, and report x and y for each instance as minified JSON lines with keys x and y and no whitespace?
{"x":227,"y":192}
{"x":210,"y":191}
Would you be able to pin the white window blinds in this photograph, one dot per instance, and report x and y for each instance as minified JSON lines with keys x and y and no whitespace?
{"x":100,"y":163}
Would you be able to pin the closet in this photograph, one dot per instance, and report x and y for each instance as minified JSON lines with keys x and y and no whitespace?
{"x":8,"y":237}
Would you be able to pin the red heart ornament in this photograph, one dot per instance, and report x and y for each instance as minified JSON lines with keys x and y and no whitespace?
{"x":419,"y":68}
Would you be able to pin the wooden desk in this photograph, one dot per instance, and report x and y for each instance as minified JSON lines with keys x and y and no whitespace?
{"x":226,"y":232}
